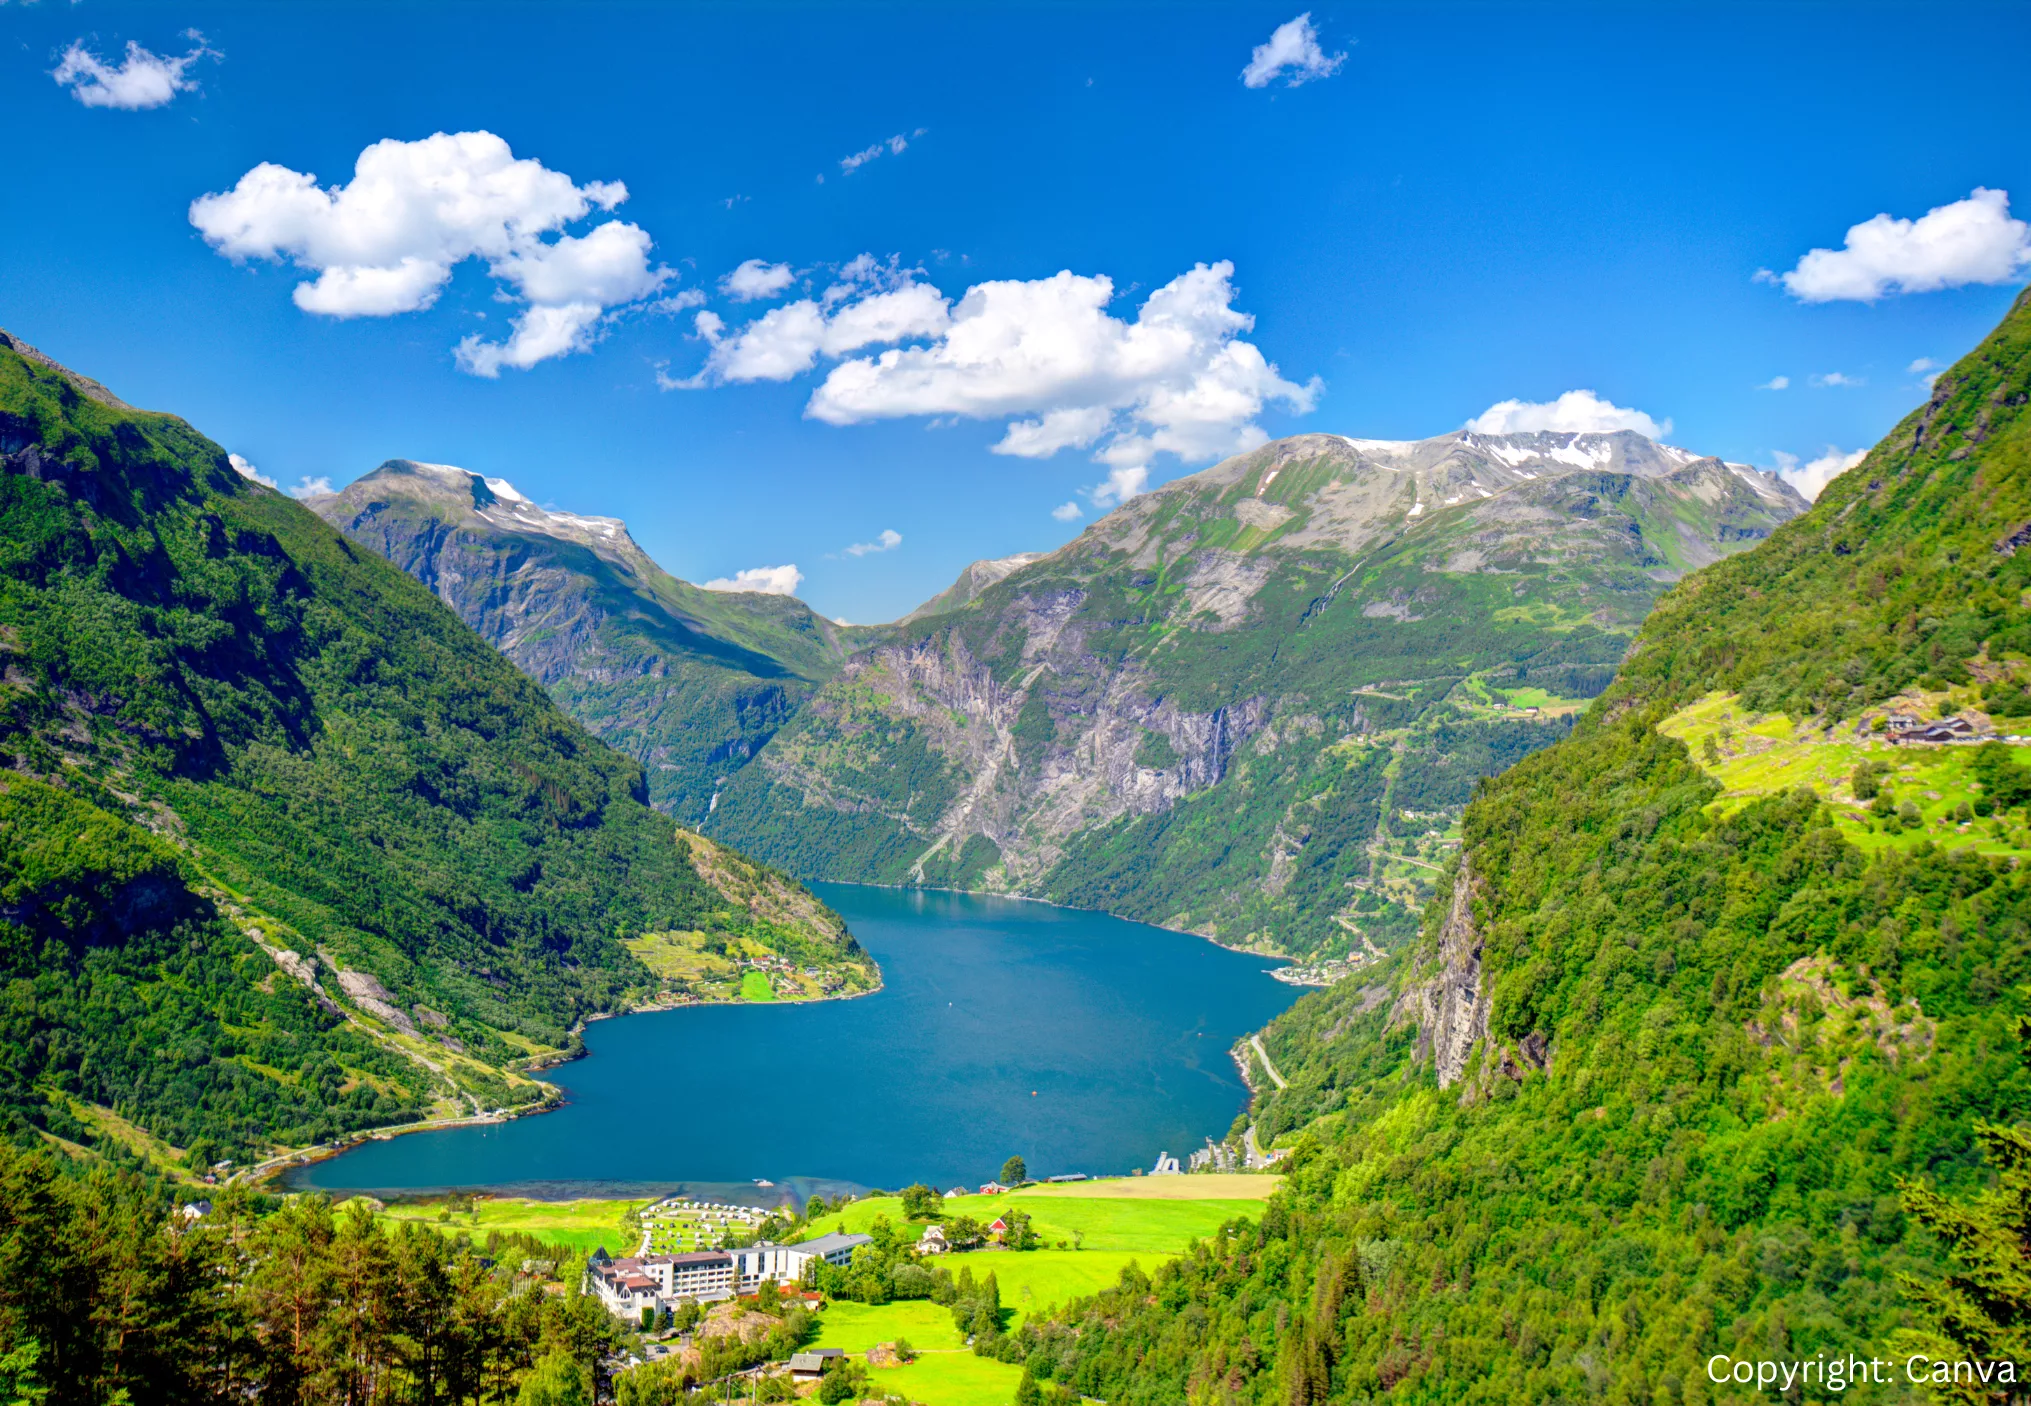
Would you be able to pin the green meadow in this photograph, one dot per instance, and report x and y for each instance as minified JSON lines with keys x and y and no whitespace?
{"x":1141,"y":1220}
{"x":1756,"y":754}
{"x":578,"y":1226}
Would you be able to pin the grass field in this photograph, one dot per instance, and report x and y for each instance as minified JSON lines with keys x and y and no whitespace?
{"x":579,"y":1226}
{"x":952,"y":1377}
{"x":1141,"y":1215}
{"x":1213,"y":1186}
{"x":755,"y":987}
{"x":946,"y":1373}
{"x":856,"y":1327}
{"x":1034,"y":1281}
{"x":1756,"y":754}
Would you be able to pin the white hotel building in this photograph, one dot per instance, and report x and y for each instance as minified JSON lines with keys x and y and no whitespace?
{"x":627,"y":1286}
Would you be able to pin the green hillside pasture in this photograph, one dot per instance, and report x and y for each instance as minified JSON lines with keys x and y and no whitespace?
{"x":1205,"y":1186}
{"x":1148,"y":1226}
{"x":578,"y":1226}
{"x":946,"y":1373}
{"x":951,"y":1377}
{"x":1763,"y":753}
{"x":856,"y":1327}
{"x":1033,"y":1281}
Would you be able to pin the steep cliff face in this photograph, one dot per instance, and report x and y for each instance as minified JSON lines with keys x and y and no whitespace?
{"x":691,"y":683}
{"x":1446,"y":999}
{"x":1253,"y":702}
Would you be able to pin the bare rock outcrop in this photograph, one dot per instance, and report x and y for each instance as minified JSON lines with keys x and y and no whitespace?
{"x":1449,"y":1005}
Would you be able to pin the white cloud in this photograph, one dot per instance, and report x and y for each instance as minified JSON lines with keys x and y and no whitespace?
{"x":677,"y":302}
{"x":894,"y":146}
{"x":889,"y":540}
{"x":309,"y":487}
{"x":1176,"y":380}
{"x":1775,"y":383}
{"x":1810,"y":478}
{"x":1074,"y":427}
{"x":1067,"y":512}
{"x":1922,"y":365}
{"x":756,"y":278}
{"x":143,"y":80}
{"x":246,"y":470}
{"x":1970,"y":241}
{"x":1837,"y":378}
{"x":1044,"y":354}
{"x":764,"y":580}
{"x":1292,"y":53}
{"x":386,"y":242}
{"x":1121,"y":484}
{"x":786,"y":342}
{"x":1575,"y":412}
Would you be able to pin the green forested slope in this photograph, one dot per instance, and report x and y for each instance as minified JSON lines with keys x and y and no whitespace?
{"x":1651,"y":1087}
{"x":224,"y":729}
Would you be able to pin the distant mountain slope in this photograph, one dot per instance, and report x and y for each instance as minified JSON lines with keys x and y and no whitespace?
{"x":1252,"y":702}
{"x":977,"y":577}
{"x":285,"y":848}
{"x":688,"y":682}
{"x":1692,"y":1019}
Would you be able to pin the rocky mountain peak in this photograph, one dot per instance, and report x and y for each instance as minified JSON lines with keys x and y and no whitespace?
{"x":474,"y":501}
{"x":975,"y":578}
{"x":84,"y":385}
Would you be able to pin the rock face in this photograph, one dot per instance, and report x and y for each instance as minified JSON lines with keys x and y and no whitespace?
{"x":1248,"y":703}
{"x":689,"y":682}
{"x":1449,"y":1005}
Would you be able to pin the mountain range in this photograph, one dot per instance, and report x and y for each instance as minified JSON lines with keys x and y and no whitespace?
{"x":1249,"y":704}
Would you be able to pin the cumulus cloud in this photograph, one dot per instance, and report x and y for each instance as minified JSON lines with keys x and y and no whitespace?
{"x":1969,"y":241}
{"x":387,"y":241}
{"x":309,"y":487}
{"x":246,"y":470}
{"x":889,"y":540}
{"x":1837,"y":378}
{"x":756,"y":278}
{"x":1775,"y":383}
{"x":1175,"y":380}
{"x":143,"y":79}
{"x":763,"y":580}
{"x":1575,"y":412}
{"x":1926,"y":370}
{"x":1067,"y":512}
{"x":1811,"y":477}
{"x":1293,"y":53}
{"x":1044,"y":354}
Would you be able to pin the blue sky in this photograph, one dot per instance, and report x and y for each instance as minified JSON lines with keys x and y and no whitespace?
{"x":1463,"y":205}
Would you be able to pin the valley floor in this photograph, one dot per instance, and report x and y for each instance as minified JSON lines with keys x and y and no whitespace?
{"x":1092,"y":1230}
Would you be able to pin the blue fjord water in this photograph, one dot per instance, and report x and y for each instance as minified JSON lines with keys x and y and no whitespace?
{"x":1083,"y":1042}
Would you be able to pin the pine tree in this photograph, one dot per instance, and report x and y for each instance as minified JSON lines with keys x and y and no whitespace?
{"x":1981,"y":1310}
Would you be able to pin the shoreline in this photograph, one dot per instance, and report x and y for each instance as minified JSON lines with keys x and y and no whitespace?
{"x":276,"y":1167}
{"x":1062,"y":908}
{"x":270,"y":1168}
